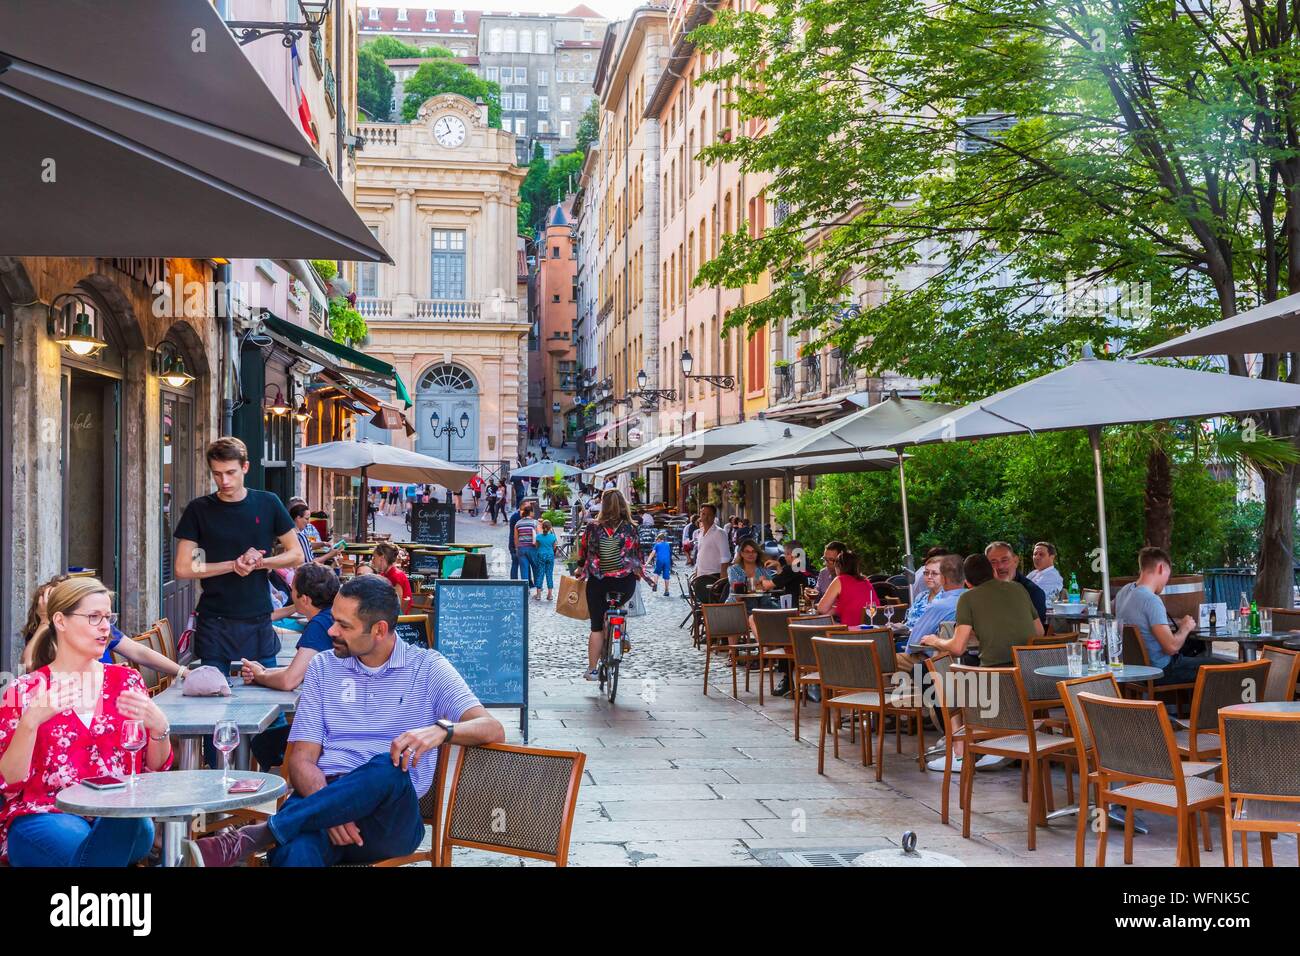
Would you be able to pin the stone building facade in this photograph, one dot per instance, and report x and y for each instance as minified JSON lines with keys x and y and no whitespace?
{"x":441,"y":194}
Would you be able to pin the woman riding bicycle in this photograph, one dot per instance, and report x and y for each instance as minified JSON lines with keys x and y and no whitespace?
{"x":609,"y":558}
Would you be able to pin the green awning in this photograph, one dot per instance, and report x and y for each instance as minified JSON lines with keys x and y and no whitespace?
{"x":301,"y":336}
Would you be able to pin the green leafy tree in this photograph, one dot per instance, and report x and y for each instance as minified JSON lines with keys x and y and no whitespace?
{"x":375,"y":83}
{"x":445,"y":75}
{"x":980,"y":163}
{"x":589,"y":126}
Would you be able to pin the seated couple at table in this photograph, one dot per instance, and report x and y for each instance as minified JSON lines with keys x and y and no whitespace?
{"x":358,"y":777}
{"x":61,"y":723}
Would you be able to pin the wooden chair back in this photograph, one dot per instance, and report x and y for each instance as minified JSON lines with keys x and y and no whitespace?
{"x":801,"y":637}
{"x":725,"y":623}
{"x":1283,"y":672}
{"x":1133,"y":739}
{"x":770,"y":626}
{"x":1286,"y":618}
{"x":848,"y":666}
{"x":1221,"y":685}
{"x":514,"y":800}
{"x":1260,"y":753}
{"x":1039,"y":689}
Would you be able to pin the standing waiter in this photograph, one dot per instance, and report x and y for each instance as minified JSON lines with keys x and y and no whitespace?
{"x":224,"y":540}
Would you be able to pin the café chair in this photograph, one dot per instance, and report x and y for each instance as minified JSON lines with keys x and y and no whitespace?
{"x":1003,"y":726}
{"x":1218,"y":685}
{"x":773,"y":642}
{"x":422,"y":602}
{"x":1044,"y":698}
{"x":1261,"y":793}
{"x":726,"y":629}
{"x":514,"y":800}
{"x":1103,"y":685}
{"x":939,"y":668}
{"x":1286,"y":618}
{"x":1282,"y":674}
{"x":803,"y":673}
{"x":1055,"y":637}
{"x":164,"y":628}
{"x":852,"y":680}
{"x":1138,"y":767}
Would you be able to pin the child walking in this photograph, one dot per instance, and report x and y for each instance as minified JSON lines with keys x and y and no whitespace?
{"x":663,"y":559}
{"x":545,"y":560}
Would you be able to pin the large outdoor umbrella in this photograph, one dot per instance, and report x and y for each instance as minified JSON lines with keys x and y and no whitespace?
{"x":1093,"y":393}
{"x":1272,"y":327}
{"x":142,"y":129}
{"x":715,"y":442}
{"x":735,"y":467}
{"x":545,"y":469}
{"x":372,"y":460}
{"x":870,"y":427}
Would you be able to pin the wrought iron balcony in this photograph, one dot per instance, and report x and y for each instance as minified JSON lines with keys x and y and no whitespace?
{"x":811,"y":373}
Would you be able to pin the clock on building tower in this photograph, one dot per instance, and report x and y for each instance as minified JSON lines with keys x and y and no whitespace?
{"x":449,"y":130}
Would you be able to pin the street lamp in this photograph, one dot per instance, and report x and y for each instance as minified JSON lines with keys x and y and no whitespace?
{"x":79,"y":338}
{"x":314,"y":13}
{"x":650,"y":397}
{"x":449,"y":429}
{"x":724,"y":382}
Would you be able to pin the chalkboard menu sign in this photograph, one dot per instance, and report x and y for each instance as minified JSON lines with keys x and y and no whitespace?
{"x":482,"y":629}
{"x":433,"y":523}
{"x":422,"y":562}
{"x":414,"y":629}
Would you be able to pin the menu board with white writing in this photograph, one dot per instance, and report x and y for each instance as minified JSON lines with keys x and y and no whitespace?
{"x":482,"y":629}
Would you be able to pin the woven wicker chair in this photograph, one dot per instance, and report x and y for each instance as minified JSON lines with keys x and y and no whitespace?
{"x":1282,"y":674}
{"x":164,"y":628}
{"x":939,"y":669}
{"x":804,"y":672}
{"x":1218,"y":685}
{"x":515,"y":800}
{"x":1000,"y":723}
{"x":1103,"y":685}
{"x":1045,"y":700}
{"x":1055,"y":637}
{"x":726,"y":629}
{"x":773,"y":642}
{"x":853,"y":681}
{"x":1286,"y":618}
{"x":1261,"y":790}
{"x":1138,"y":767}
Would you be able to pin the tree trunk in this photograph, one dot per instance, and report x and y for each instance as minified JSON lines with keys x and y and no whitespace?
{"x":1158,"y":500}
{"x":1273,"y":583}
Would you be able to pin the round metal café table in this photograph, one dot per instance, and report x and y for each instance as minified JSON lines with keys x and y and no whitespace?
{"x":1263,"y":707}
{"x":1250,"y":643}
{"x":173,"y":798}
{"x":1127,"y":673}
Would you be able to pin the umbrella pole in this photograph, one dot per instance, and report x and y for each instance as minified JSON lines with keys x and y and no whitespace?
{"x":1094,"y":438}
{"x":363,"y":501}
{"x":789,"y":477}
{"x":907,"y":528}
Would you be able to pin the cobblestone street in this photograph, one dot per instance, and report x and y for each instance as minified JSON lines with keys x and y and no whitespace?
{"x":675,"y":777}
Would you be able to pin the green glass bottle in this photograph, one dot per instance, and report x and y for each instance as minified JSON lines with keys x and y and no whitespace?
{"x":1254,"y":617}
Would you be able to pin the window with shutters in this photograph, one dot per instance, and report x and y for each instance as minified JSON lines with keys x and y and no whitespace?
{"x":447,"y":264}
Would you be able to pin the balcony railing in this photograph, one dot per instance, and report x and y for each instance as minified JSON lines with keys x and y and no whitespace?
{"x":783,"y":380}
{"x":329,"y":87}
{"x":438,"y":310}
{"x":839,"y":373}
{"x":811,"y":373}
{"x":317,"y":51}
{"x":380,"y":134}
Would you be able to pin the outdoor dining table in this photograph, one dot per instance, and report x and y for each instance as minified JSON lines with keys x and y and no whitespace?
{"x":192,"y":719}
{"x":173,"y":798}
{"x":1127,"y":673}
{"x":1251,"y":643}
{"x":1263,"y":707}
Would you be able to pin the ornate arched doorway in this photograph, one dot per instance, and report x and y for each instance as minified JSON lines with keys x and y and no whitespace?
{"x":449,"y":390}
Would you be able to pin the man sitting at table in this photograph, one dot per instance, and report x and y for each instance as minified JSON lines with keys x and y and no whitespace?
{"x":830,"y":556}
{"x":358,"y":772}
{"x":1138,"y":604}
{"x":949,"y":574}
{"x":996,"y":612}
{"x":1045,"y":574}
{"x":1006,"y":567}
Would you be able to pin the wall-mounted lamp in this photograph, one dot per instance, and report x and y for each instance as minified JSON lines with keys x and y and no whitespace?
{"x":277,"y":405}
{"x":171,"y":366}
{"x":72,"y":324}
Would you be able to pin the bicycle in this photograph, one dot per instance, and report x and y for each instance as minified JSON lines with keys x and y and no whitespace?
{"x":611,"y":648}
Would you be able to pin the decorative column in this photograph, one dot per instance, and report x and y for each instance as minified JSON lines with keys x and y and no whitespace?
{"x":407,"y":250}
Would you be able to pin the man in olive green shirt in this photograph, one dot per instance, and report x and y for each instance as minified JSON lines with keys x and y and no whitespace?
{"x":998,"y":613}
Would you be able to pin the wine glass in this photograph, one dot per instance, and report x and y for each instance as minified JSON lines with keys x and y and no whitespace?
{"x":225,"y":737}
{"x":871,"y":613}
{"x":889,"y":614}
{"x":133,"y":740}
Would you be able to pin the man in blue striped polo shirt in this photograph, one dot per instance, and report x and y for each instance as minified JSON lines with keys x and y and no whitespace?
{"x":368,"y":715}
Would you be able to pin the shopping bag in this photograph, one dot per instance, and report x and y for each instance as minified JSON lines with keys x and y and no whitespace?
{"x":572,"y":598}
{"x":635,"y":606}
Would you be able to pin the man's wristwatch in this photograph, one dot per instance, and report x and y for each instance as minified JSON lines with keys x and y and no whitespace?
{"x":448,"y":726}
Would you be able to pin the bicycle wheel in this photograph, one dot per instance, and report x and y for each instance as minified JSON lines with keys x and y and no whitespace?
{"x":613,"y":680}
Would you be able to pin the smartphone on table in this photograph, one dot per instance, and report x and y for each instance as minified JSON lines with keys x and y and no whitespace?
{"x":104,"y":783}
{"x":247,"y":785}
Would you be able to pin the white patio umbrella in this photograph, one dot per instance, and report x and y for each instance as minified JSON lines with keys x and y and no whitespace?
{"x":1093,"y":393}
{"x":545,"y":469}
{"x":870,"y":427}
{"x":1271,"y":327}
{"x":369,"y":460}
{"x":712,"y":443}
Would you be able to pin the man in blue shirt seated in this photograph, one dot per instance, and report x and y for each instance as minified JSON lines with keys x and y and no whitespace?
{"x":358,"y":772}
{"x":942,"y":607}
{"x":1139,"y":605}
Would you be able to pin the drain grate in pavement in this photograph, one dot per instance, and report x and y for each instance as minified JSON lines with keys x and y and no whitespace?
{"x":819,"y":857}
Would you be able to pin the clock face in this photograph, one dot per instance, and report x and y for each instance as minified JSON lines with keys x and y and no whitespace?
{"x":449,"y":130}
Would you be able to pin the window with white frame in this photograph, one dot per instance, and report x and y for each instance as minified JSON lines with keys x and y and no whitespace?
{"x":492,"y":74}
{"x":521,"y":75}
{"x":542,"y":39}
{"x":521,"y":101}
{"x":566,"y":129}
{"x":543,"y":76}
{"x":566,"y":104}
{"x":543,"y":104}
{"x":368,"y":273}
{"x":374,"y":13}
{"x":543,"y":127}
{"x":447,"y":265}
{"x":525,"y":41}
{"x":401,"y":13}
{"x":494,"y":40}
{"x":521,"y":127}
{"x":511,"y":41}
{"x":458,"y":16}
